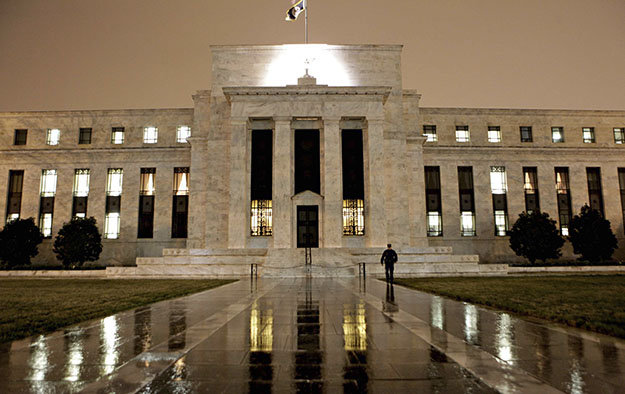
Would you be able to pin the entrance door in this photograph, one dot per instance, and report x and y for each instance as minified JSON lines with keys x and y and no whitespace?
{"x":307,"y":226}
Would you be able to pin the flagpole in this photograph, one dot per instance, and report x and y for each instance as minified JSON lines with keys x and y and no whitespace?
{"x":306,"y":21}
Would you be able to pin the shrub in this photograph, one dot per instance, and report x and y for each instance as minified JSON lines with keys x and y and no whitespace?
{"x":78,"y":241}
{"x":591,"y":235}
{"x":18,"y":242}
{"x":536,"y":237}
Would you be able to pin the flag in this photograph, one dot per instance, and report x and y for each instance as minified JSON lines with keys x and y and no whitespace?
{"x":295,"y":10}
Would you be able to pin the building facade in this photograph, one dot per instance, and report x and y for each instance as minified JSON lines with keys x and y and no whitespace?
{"x":269,"y":163}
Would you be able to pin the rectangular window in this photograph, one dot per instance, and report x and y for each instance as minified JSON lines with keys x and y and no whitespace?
{"x":14,"y":199}
{"x":530,"y":185}
{"x":84,"y":136}
{"x":462,"y":134}
{"x":81,"y":192}
{"x":588,"y":134}
{"x":563,"y":194}
{"x":20,"y":137}
{"x":429,"y":131}
{"x":621,"y":182}
{"x":499,"y":190}
{"x":261,"y":183}
{"x":53,"y":136}
{"x":595,"y":194}
{"x":150,"y":135}
{"x":494,"y":134}
{"x":353,"y":182}
{"x":47,"y":192}
{"x":182,"y":133}
{"x":117,"y":136}
{"x":467,"y":201}
{"x":434,"y":211}
{"x":619,"y":135}
{"x":146,"y":203}
{"x":261,"y":221}
{"x":557,"y":134}
{"x":114,"y":184}
{"x":526,"y":134}
{"x":180,"y":203}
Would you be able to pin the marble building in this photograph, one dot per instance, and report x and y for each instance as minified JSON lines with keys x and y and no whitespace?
{"x":308,"y":146}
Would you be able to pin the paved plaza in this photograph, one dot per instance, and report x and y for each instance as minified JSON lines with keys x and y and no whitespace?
{"x":313,"y":335}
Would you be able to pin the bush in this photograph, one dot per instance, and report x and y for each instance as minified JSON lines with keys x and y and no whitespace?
{"x":18,"y":242}
{"x":536,"y":237}
{"x":78,"y":241}
{"x":592,"y":236}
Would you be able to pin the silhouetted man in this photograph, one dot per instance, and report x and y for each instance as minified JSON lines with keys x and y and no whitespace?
{"x":389,"y":258}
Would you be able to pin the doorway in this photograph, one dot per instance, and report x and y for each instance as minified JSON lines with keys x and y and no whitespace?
{"x":307,"y":226}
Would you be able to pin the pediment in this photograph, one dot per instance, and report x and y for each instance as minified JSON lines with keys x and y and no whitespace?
{"x":307,"y":197}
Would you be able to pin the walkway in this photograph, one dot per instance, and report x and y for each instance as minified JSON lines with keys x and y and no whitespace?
{"x":313,"y":335}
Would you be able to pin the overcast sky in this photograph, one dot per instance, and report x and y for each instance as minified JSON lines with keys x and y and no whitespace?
{"x":101,"y":54}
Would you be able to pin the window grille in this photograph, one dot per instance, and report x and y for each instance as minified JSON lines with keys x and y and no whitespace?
{"x":261,"y":218}
{"x":467,"y":224}
{"x":588,"y":134}
{"x":435,"y":224}
{"x":619,"y":135}
{"x":48,"y":183}
{"x":150,"y":135}
{"x":429,"y":131}
{"x":117,"y":135}
{"x":354,"y":217}
{"x":462,"y":134}
{"x":526,"y":134}
{"x":147,"y":181}
{"x":181,"y":181}
{"x":498,"y":180}
{"x":114,"y":182}
{"x":494,"y":134}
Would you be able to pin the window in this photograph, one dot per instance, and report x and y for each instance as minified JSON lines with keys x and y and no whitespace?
{"x":81,"y":192}
{"x":20,"y":137}
{"x":261,"y":221}
{"x":462,"y":134}
{"x":499,"y":189}
{"x":354,"y":217}
{"x":494,"y":134}
{"x":180,"y":203}
{"x":557,"y":134}
{"x":84,"y":136}
{"x":526,"y":133}
{"x":619,"y":135}
{"x":621,"y":182}
{"x":150,"y":135}
{"x":595,"y":195}
{"x":117,"y":135}
{"x":429,"y":131}
{"x":260,"y":183}
{"x":563,"y":194}
{"x":146,"y":203}
{"x":46,"y":205}
{"x":14,"y":199}
{"x":353,"y":182}
{"x":467,"y":201}
{"x":588,"y":134}
{"x":434,"y":211}
{"x":114,"y":183}
{"x":53,"y":136}
{"x":182,"y":133}
{"x":530,"y":186}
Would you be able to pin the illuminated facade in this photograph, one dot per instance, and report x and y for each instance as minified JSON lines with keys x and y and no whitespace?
{"x":269,"y":163}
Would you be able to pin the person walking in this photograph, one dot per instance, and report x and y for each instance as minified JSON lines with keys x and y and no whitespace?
{"x":389,"y":258}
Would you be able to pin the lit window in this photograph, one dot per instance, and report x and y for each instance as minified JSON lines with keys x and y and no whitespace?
{"x":150,"y":135}
{"x":435,"y":224}
{"x":182,"y":133}
{"x":20,"y":137}
{"x":462,"y":134}
{"x":117,"y":136}
{"x":111,"y":225}
{"x":181,"y":181}
{"x":526,"y":134}
{"x":557,"y":134}
{"x":48,"y":183}
{"x":501,"y":223}
{"x":114,"y":182}
{"x":81,"y":182}
{"x":494,"y":134}
{"x":429,"y":131}
{"x":12,"y":217}
{"x":147,"y":181}
{"x":45,"y":225}
{"x":498,"y":180}
{"x":354,"y":217}
{"x":467,"y":224}
{"x":261,"y":218}
{"x":588,"y":134}
{"x":53,"y":136}
{"x":619,"y":135}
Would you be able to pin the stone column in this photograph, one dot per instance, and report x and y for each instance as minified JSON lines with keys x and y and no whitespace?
{"x":282,"y":183}
{"x":239,"y":199}
{"x":375,"y":216}
{"x":333,"y":196}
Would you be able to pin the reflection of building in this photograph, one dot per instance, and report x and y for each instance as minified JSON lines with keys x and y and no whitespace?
{"x":345,"y":164}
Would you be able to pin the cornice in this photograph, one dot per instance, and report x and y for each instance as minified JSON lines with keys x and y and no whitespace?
{"x":234,"y":93}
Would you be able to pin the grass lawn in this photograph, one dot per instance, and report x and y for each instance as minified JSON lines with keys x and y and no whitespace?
{"x":596,"y":303}
{"x":34,"y":306}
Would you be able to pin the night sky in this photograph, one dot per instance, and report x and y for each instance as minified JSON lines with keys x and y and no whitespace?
{"x":88,"y":54}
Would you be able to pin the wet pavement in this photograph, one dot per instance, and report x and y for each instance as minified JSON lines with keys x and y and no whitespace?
{"x":313,"y":335}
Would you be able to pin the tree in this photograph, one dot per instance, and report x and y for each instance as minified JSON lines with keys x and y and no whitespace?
{"x":536,"y":237}
{"x":18,"y":242}
{"x":78,"y":241}
{"x":591,"y":235}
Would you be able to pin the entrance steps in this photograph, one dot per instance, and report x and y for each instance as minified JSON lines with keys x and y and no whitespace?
{"x":326,"y":262}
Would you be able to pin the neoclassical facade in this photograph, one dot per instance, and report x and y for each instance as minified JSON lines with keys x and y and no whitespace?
{"x":309,"y":147}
